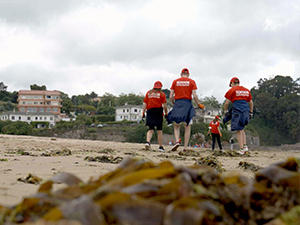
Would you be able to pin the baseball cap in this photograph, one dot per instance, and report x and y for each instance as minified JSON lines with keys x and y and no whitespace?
{"x":234,"y":80}
{"x":217,"y":117}
{"x":158,"y":85}
{"x":185,"y":71}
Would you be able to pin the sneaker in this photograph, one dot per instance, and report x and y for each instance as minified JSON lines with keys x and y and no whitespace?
{"x":241,"y":151}
{"x":161,"y":149}
{"x":245,"y":148}
{"x":147,"y":146}
{"x":174,"y":148}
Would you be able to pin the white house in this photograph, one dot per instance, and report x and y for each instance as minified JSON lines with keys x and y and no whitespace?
{"x":207,"y":115}
{"x":129,"y":112}
{"x":30,"y":117}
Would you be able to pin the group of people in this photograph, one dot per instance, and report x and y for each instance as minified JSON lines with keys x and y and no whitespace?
{"x":183,"y":90}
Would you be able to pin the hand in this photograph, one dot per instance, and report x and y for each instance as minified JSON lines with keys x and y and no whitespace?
{"x":251,"y":116}
{"x":201,"y":106}
{"x":221,"y":134}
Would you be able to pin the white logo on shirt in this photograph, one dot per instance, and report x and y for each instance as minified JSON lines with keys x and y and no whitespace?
{"x":154,"y":95}
{"x":242,"y":93}
{"x":182,"y":83}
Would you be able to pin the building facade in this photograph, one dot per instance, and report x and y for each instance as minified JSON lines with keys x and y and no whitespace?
{"x":207,"y":115}
{"x":39,"y":101}
{"x":129,"y":112}
{"x":30,"y":117}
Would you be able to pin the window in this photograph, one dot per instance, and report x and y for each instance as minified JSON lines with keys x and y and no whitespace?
{"x":135,"y":110}
{"x":123,"y":110}
{"x":121,"y":117}
{"x":55,"y":109}
{"x":28,"y":118}
{"x":51,"y":118}
{"x":48,"y":109}
{"x":20,"y":117}
{"x":41,"y":118}
{"x":42,"y":110}
{"x":35,"y":103}
{"x":45,"y":118}
{"x":36,"y":118}
{"x":12,"y":117}
{"x":22,"y":109}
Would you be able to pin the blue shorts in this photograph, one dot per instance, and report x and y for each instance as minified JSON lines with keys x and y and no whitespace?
{"x":183,"y":111}
{"x":240,"y":115}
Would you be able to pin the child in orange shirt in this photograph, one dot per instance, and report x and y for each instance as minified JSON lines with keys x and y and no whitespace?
{"x":155,"y":103}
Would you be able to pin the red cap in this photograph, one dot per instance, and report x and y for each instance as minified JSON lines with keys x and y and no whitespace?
{"x":234,"y":80}
{"x":158,"y":85}
{"x":185,"y":71}
{"x":217,"y":117}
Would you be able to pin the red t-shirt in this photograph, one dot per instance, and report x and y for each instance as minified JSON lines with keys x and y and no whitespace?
{"x":214,"y":127}
{"x":155,"y":99}
{"x":183,"y":88}
{"x":238,"y":93}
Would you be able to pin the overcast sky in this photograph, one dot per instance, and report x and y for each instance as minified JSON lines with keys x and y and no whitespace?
{"x":124,"y":46}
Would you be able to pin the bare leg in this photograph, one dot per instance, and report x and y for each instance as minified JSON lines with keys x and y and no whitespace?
{"x":187,"y":134}
{"x":244,"y":137}
{"x":160,"y":137}
{"x":149,"y":135}
{"x":239,"y":136}
{"x":176,"y":131}
{"x":176,"y":134}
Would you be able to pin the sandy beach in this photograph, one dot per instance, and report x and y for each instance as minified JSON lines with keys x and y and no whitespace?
{"x":45,"y":156}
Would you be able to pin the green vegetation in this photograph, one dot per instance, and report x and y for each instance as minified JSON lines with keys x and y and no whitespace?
{"x":277,"y":106}
{"x":17,"y":128}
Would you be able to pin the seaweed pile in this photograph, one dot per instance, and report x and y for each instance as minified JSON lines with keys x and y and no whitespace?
{"x":141,"y":192}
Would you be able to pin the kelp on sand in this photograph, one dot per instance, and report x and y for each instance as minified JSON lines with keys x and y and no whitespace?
{"x":141,"y":192}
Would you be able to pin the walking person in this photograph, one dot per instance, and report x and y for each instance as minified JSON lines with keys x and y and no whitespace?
{"x":215,"y":132}
{"x":155,"y":104}
{"x":242,"y":110}
{"x":183,"y":90}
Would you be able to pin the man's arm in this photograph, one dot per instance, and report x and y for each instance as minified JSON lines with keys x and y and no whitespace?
{"x":196,"y":99}
{"x":144,"y":109}
{"x":172,"y":96}
{"x":165,"y":108}
{"x":226,"y":105}
{"x":251,"y":106}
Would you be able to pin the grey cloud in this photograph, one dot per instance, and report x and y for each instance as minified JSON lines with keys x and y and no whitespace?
{"x":34,"y":11}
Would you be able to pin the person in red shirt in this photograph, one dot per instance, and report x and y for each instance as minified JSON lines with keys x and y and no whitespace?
{"x":155,"y":103}
{"x":183,"y":90}
{"x":242,"y":110}
{"x":214,"y":130}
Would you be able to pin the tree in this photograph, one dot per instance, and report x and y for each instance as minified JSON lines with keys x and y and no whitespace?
{"x":67,"y":104}
{"x":167,"y":92}
{"x":130,"y":99}
{"x":277,"y":103}
{"x":211,"y":102}
{"x":37,"y":87}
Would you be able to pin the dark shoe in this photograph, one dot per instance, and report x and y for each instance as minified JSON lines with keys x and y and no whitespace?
{"x":161,"y":149}
{"x":174,"y":148}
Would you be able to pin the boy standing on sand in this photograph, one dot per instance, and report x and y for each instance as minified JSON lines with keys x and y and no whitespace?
{"x":155,"y":103}
{"x":242,"y":110}
{"x":183,"y":90}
